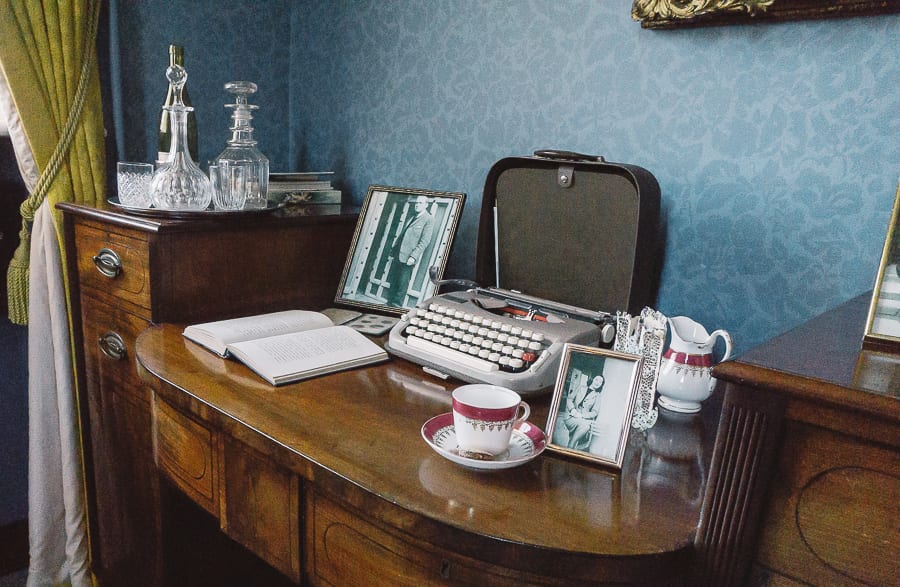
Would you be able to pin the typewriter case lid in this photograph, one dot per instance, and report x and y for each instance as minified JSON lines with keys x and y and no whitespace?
{"x":571,"y":228}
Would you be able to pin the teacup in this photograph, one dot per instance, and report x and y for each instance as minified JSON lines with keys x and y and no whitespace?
{"x":484,"y":417}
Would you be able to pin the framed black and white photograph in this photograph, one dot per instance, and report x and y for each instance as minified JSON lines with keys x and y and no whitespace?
{"x":401,"y":234}
{"x":883,"y":325}
{"x":593,"y":401}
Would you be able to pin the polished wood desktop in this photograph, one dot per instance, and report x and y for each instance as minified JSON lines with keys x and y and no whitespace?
{"x":343,"y":464}
{"x":790,"y":474}
{"x":199,"y":472}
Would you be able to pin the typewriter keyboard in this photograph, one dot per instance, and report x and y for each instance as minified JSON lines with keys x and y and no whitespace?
{"x":478,"y":342}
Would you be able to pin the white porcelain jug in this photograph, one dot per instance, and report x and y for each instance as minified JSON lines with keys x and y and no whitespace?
{"x":685,"y":378}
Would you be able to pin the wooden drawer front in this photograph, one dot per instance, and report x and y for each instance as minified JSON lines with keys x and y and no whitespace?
{"x":833,"y":514}
{"x":185,"y":451}
{"x":347,"y":550}
{"x":125,"y":261}
{"x":260,"y":507}
{"x":109,"y":335}
{"x":126,"y":487}
{"x":248,"y":270}
{"x":124,"y":412}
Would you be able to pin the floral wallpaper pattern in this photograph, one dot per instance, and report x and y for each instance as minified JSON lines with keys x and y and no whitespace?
{"x":775,"y":145}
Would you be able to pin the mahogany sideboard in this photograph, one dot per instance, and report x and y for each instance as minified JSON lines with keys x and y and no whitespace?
{"x":809,"y":457}
{"x":126,"y":272}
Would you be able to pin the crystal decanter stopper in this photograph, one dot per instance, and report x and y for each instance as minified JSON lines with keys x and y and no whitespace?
{"x":178,"y":184}
{"x":241,"y":148}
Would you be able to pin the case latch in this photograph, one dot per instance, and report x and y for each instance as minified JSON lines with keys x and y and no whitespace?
{"x":565,"y":176}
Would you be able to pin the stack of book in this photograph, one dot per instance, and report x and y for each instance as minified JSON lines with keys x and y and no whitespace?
{"x":312,"y":187}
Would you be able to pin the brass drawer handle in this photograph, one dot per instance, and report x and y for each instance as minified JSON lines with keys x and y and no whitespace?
{"x":112,"y":346}
{"x":108,"y":263}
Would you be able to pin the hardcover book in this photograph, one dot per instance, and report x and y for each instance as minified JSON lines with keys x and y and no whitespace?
{"x":283,"y":347}
{"x":288,"y":197}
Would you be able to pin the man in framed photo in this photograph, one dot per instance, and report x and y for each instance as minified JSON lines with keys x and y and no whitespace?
{"x":410,"y":242}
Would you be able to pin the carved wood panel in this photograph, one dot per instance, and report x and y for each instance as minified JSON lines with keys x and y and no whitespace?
{"x":741,"y":465}
{"x":261,"y":507}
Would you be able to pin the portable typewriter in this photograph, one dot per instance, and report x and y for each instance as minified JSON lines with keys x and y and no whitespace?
{"x":557,"y":226}
{"x":495,"y":336}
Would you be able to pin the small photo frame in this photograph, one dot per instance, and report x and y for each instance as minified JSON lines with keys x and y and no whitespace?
{"x":593,"y":403}
{"x":883,"y":324}
{"x":401,"y":234}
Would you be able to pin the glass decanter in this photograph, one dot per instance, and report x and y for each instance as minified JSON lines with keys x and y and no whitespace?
{"x":178,"y":184}
{"x":241,"y":149}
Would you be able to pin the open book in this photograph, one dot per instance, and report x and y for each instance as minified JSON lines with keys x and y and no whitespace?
{"x":283,"y":347}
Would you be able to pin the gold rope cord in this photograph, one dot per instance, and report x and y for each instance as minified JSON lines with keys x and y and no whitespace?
{"x":18,"y":274}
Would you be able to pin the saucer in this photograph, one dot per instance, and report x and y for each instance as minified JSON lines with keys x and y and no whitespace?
{"x":527,"y":442}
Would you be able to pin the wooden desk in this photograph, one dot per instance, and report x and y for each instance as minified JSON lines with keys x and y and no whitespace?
{"x":805,"y":484}
{"x":330,"y":481}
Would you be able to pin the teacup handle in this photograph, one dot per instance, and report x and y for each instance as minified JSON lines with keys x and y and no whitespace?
{"x":726,"y":338}
{"x":526,"y":411}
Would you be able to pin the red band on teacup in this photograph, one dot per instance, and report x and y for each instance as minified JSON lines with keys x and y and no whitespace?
{"x":686,"y":359}
{"x":486,"y":414}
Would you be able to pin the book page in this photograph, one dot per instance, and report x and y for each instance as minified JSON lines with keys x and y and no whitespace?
{"x":304,"y":354}
{"x":219,"y":334}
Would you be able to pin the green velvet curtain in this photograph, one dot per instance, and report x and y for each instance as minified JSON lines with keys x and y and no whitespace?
{"x":48,"y":54}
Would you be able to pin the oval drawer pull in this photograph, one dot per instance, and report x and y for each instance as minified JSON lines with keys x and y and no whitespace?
{"x":112,"y":345}
{"x":108,"y":263}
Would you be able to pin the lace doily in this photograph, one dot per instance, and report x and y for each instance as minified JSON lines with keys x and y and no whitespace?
{"x":644,"y":336}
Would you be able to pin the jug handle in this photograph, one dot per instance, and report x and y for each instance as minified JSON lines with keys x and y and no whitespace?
{"x":729,"y":344}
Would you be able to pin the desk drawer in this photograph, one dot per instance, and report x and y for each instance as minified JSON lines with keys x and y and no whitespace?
{"x":109,"y":335}
{"x":832,"y":514}
{"x":113,"y":263}
{"x":186,"y":452}
{"x":261,"y":507}
{"x":345,"y":549}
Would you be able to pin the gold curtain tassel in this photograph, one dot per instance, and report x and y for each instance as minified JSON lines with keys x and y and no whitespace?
{"x":17,"y":280}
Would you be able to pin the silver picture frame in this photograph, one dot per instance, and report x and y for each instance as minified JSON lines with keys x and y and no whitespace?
{"x":593,"y":404}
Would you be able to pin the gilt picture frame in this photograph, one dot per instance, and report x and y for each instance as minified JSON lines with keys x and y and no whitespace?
{"x":671,"y":14}
{"x":593,"y":403}
{"x":401,"y":234}
{"x":883,"y":320}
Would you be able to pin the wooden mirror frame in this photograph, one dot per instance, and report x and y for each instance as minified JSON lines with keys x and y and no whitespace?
{"x":670,"y":14}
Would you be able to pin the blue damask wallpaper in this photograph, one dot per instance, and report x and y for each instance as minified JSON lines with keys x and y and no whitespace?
{"x":223,"y":41}
{"x":775,"y":145}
